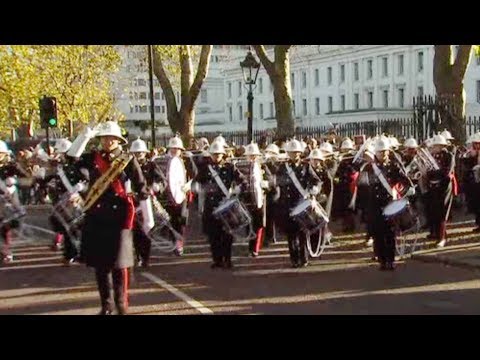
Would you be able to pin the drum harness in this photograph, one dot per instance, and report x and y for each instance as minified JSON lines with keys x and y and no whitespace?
{"x":227,"y":193}
{"x":319,"y":250}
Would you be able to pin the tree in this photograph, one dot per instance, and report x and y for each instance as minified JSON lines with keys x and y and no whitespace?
{"x":448,"y":75}
{"x":79,"y":76}
{"x":181,"y":117}
{"x":279,"y":73}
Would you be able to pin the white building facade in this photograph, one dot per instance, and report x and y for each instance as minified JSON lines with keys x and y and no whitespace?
{"x":330,"y":84}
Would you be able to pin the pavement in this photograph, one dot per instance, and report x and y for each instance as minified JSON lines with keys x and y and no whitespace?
{"x":465,"y":256}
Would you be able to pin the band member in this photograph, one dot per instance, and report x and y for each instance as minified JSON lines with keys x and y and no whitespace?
{"x":387,"y":182}
{"x":177,"y":212}
{"x":408,"y":157}
{"x":66,"y":179}
{"x":295,"y":182}
{"x":441,"y":189}
{"x":8,"y":191}
{"x":107,"y":243}
{"x":471,"y":178}
{"x":216,"y":179}
{"x":252,"y":152}
{"x":272,"y":153}
{"x":344,"y":185}
{"x":324,"y":197}
{"x":141,"y":241}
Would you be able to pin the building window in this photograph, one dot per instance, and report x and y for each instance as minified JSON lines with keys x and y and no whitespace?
{"x":143,"y":108}
{"x":157,"y":96}
{"x":420,"y":91}
{"x":261,"y":111}
{"x":420,"y":61}
{"x":305,"y":110}
{"x":240,"y":112}
{"x":271,"y":110}
{"x":370,"y":99}
{"x":342,"y":102}
{"x":317,"y":77}
{"x":330,"y":104}
{"x":239,"y":88}
{"x":143,"y":96}
{"x":329,"y":76}
{"x":342,"y":73}
{"x":156,"y":82}
{"x":230,"y":113}
{"x":478,"y":91}
{"x":229,"y":90}
{"x":384,"y":67}
{"x":401,"y":98}
{"x":356,"y":75}
{"x":135,"y":95}
{"x":304,"y":80}
{"x":163,"y":109}
{"x":356,"y":101}
{"x":369,"y":69}
{"x":137,"y":108}
{"x":317,"y":106}
{"x":292,"y":80}
{"x":130,"y":95}
{"x":131,"y":109}
{"x":157,"y":108}
{"x":294,"y":108}
{"x":203,"y":96}
{"x":385,"y":99}
{"x":142,"y":82}
{"x":400,"y":64}
{"x":260,"y":86}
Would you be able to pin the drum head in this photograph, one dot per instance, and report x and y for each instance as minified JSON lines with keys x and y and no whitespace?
{"x":226,"y":205}
{"x":301,"y":207}
{"x":177,"y":179}
{"x":257,"y":184}
{"x":395,"y":207}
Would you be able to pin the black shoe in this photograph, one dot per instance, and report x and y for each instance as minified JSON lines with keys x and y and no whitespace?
{"x":145,"y":264}
{"x":216,"y":265}
{"x":105,"y":312}
{"x":389,"y":266}
{"x":122,"y":311}
{"x":383,"y":267}
{"x":476,"y":230}
{"x":295,"y":265}
{"x":304,"y":264}
{"x":228,"y":265}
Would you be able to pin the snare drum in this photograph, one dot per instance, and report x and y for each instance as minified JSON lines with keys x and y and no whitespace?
{"x":400,"y":214}
{"x":175,"y":177}
{"x":309,"y":215}
{"x":253,"y":172}
{"x":233,"y":216}
{"x":69,"y":215}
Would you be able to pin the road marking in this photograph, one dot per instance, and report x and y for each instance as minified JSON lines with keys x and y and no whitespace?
{"x":193,"y":303}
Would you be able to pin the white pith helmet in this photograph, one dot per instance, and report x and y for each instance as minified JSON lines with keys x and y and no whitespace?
{"x":272,"y":148}
{"x":4,"y":148}
{"x":382,"y":145}
{"x":217,"y":148}
{"x":138,"y":146}
{"x":252,"y":149}
{"x":220,"y":139}
{"x":175,"y":143}
{"x":316,"y":154}
{"x":447,"y":135}
{"x":110,"y":128}
{"x":294,"y":146}
{"x":327,"y":148}
{"x":439,"y":140}
{"x":347,"y":144}
{"x":411,"y":143}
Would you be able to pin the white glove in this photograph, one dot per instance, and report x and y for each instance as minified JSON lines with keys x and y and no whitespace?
{"x":158,"y":187}
{"x":11,"y":189}
{"x":90,"y":133}
{"x":265,"y":184}
{"x":237,"y":190}
{"x":315,"y":190}
{"x":10,"y":181}
{"x":410,"y":191}
{"x":80,"y":187}
{"x":187,"y":187}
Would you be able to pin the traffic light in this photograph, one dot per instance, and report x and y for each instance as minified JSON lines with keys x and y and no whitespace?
{"x":48,"y":112}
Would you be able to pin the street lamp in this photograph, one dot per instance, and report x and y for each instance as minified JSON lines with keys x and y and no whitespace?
{"x":250,"y":69}
{"x":152,"y":100}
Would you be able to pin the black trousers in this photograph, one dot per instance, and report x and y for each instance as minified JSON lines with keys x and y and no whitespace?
{"x":119,"y":280}
{"x":70,"y":247}
{"x":297,"y":247}
{"x":383,"y":241}
{"x":221,"y":247}
{"x":142,"y":245}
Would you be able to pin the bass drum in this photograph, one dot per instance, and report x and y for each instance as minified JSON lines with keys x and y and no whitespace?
{"x":174,"y":177}
{"x":253,"y":172}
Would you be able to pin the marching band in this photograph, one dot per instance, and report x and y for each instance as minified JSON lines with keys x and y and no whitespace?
{"x":112,"y":206}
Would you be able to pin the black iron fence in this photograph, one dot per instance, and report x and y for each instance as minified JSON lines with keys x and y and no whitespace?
{"x":402,"y":128}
